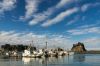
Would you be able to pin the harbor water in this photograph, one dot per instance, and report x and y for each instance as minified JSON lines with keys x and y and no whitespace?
{"x":73,"y":60}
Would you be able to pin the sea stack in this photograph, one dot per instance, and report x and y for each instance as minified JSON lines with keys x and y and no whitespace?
{"x":78,"y":47}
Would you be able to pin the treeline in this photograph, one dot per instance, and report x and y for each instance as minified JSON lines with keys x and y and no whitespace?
{"x":19,"y":47}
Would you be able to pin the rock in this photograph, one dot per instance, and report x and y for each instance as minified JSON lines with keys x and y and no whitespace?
{"x":78,"y":47}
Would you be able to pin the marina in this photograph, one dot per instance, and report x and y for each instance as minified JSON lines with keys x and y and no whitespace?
{"x":32,"y":51}
{"x":37,"y":54}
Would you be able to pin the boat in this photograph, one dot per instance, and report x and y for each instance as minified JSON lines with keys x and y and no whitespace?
{"x":26,"y":53}
{"x":70,"y":53}
{"x":35,"y":54}
{"x":38,"y":54}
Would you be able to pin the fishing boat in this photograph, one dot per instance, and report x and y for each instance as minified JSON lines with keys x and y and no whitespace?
{"x":38,"y":54}
{"x":26,"y":53}
{"x":70,"y":53}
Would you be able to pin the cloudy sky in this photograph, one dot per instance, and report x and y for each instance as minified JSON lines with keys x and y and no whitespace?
{"x":60,"y":22}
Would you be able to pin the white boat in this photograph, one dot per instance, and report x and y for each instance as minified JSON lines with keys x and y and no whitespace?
{"x":26,"y":53}
{"x":7,"y":54}
{"x":70,"y":53}
{"x":13,"y":54}
{"x":52,"y":54}
{"x":35,"y":54}
{"x":39,"y":53}
{"x":61,"y":53}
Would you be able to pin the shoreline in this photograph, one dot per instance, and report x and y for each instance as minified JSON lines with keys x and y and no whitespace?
{"x":89,"y":52}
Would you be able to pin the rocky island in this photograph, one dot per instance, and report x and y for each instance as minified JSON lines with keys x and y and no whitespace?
{"x":78,"y":47}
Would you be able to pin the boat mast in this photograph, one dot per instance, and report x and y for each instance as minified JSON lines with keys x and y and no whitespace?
{"x":46,"y":44}
{"x":32,"y":43}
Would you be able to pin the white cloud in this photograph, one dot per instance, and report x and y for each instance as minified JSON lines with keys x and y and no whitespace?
{"x":60,"y":17}
{"x":39,"y":40}
{"x":85,"y":7}
{"x":31,"y":8}
{"x":92,"y":43}
{"x":73,"y":20}
{"x":86,"y":30}
{"x":93,"y":40}
{"x":18,"y":38}
{"x":7,"y":5}
{"x":41,"y":17}
{"x":32,"y":5}
{"x":62,"y":3}
{"x":45,"y":15}
{"x":90,"y":5}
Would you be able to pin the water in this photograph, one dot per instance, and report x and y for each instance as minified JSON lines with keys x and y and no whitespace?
{"x":75,"y":60}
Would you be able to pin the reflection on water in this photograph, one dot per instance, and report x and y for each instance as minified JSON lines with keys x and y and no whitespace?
{"x":26,"y":60}
{"x":79,"y":58}
{"x":75,"y":60}
{"x":40,"y":60}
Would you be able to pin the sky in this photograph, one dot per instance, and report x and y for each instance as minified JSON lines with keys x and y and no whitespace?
{"x":61,"y":23}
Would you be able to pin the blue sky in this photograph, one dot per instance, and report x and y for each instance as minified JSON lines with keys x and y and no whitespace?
{"x":60,"y":22}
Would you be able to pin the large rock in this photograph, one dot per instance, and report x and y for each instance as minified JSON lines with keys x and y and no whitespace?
{"x":78,"y":47}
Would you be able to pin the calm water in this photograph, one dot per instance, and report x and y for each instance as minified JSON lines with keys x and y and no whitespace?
{"x":75,"y":60}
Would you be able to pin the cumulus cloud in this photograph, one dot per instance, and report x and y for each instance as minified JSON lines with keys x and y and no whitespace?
{"x":87,"y":30}
{"x":60,"y":17}
{"x":7,"y":5}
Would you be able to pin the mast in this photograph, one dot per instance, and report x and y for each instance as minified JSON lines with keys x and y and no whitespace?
{"x":32,"y":43}
{"x":46,"y":44}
